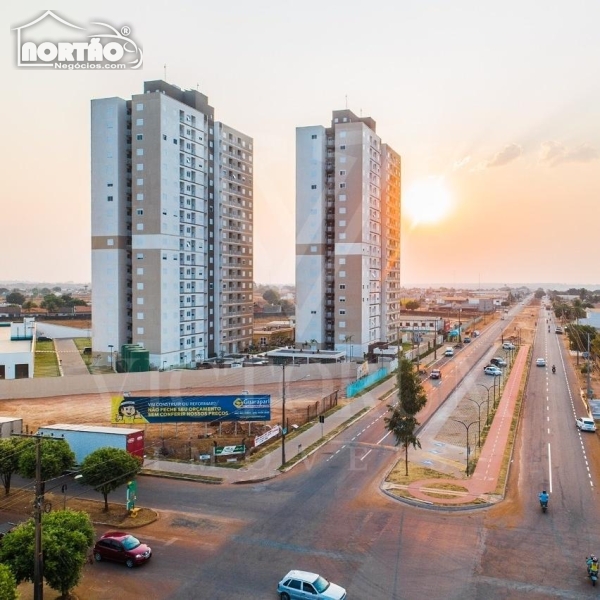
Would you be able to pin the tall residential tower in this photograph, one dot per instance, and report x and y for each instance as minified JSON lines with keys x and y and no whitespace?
{"x":172,"y":224}
{"x":347,"y":235}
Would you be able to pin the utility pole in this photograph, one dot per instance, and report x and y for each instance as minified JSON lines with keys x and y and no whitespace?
{"x":38,"y":564}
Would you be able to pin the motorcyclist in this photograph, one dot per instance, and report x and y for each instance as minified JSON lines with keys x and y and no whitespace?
{"x":553,"y":368}
{"x":543,"y":496}
{"x":592,"y":565}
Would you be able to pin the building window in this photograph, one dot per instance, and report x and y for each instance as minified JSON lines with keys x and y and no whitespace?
{"x":342,"y":311}
{"x":342,"y":197}
{"x":343,"y":173}
{"x":110,"y":242}
{"x":313,"y":136}
{"x":342,"y":236}
{"x":139,"y":285}
{"x":342,"y":286}
{"x":342,"y":324}
{"x":139,"y":106}
{"x":164,"y":137}
{"x":313,"y":248}
{"x":139,"y":137}
{"x":140,"y":316}
{"x":343,"y":147}
{"x":313,"y":187}
{"x":342,"y":274}
{"x":110,"y":198}
{"x":139,"y":196}
{"x":342,"y":261}
{"x":109,"y":185}
{"x":139,"y":167}
{"x":342,"y":223}
{"x":139,"y":271}
{"x":342,"y":210}
{"x":139,"y":152}
{"x":313,"y":312}
{"x":140,"y":331}
{"x":342,"y":186}
{"x":140,"y":211}
{"x":140,"y":256}
{"x":139,"y":122}
{"x":139,"y":227}
{"x":139,"y":181}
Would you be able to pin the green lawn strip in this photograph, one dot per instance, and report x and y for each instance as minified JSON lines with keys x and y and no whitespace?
{"x":45,"y":360}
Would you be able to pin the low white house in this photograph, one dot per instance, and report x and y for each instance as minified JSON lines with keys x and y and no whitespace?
{"x":16,"y":349}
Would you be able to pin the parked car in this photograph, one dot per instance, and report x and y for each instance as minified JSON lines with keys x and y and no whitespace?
{"x":585,"y":424}
{"x":497,"y":361}
{"x":122,"y":547}
{"x":449,"y":351}
{"x":492,"y":370}
{"x":540,"y":362}
{"x":467,"y":340}
{"x":475,"y":333}
{"x":558,"y":330}
{"x":303,"y":584}
{"x":435,"y":374}
{"x":508,"y":346}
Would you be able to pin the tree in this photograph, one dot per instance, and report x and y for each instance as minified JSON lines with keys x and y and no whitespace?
{"x":106,"y":469}
{"x":15,"y":298}
{"x":403,"y":427}
{"x":412,"y":305}
{"x":271,"y":296}
{"x":66,"y":538}
{"x":411,"y":400}
{"x":9,"y":460}
{"x":8,"y":584}
{"x":411,"y":393}
{"x":57,"y":457}
{"x":29,"y":304}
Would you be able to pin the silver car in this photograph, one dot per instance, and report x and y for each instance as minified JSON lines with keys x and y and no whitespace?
{"x":585,"y":424}
{"x":304,"y":584}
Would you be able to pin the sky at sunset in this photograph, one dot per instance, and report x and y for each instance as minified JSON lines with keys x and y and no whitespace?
{"x":493,"y":106}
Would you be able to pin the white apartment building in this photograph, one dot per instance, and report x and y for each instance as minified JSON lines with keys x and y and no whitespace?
{"x":347,"y":235}
{"x":171,"y":227}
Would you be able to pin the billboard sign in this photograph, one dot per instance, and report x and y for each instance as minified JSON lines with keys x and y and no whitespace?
{"x":191,"y":409}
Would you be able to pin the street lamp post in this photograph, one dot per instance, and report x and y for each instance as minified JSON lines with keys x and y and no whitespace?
{"x":164,"y":365}
{"x":467,"y":428}
{"x":479,"y":419}
{"x":459,"y":326}
{"x":487,"y":389}
{"x":110,"y":349}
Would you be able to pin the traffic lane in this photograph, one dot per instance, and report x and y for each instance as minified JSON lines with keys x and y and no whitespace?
{"x":519,"y":530}
{"x":175,"y":549}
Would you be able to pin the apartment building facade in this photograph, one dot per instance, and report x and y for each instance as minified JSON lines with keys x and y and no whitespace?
{"x":172,"y":221}
{"x":347,"y":235}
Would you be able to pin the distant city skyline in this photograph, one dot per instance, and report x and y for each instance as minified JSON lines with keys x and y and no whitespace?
{"x":493,"y":109}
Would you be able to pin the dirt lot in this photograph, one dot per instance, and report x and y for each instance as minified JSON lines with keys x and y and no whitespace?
{"x":180,"y":441}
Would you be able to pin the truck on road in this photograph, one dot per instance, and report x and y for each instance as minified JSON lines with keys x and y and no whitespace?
{"x":85,"y":439}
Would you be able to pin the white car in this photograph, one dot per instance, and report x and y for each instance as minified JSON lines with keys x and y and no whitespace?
{"x":585,"y":424}
{"x":303,"y":584}
{"x":491,"y":370}
{"x":540,"y":362}
{"x":449,"y":351}
{"x":508,"y":346}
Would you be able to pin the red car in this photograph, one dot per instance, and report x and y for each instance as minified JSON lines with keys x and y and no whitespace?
{"x":122,"y":547}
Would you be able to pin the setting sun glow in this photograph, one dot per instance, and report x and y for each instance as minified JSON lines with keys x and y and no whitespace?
{"x":427,"y":202}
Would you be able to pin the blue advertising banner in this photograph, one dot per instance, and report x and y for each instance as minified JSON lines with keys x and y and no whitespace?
{"x":203,"y":409}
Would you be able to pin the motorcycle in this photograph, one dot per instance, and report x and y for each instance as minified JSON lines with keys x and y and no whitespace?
{"x":553,"y":370}
{"x":544,"y":505}
{"x":593,"y":575}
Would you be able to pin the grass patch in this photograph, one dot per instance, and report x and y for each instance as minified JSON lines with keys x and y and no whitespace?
{"x":45,"y":360}
{"x":415,"y":473}
{"x":451,"y":487}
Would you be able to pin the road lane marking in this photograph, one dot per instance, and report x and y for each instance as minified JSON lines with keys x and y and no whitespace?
{"x":550,"y":466}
